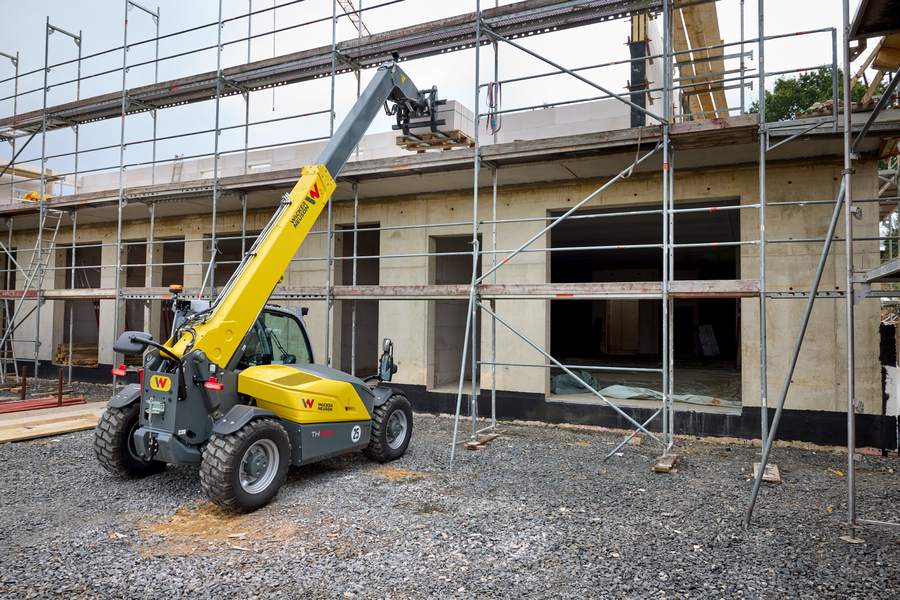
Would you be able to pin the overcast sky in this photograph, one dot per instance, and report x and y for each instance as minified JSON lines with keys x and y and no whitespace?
{"x":100,"y":22}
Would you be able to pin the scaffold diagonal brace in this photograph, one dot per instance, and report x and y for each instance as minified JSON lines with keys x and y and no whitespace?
{"x":570,"y":373}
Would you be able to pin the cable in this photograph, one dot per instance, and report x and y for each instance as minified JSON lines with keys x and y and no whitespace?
{"x":494,"y":121}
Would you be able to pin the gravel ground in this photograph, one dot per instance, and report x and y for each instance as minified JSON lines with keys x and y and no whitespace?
{"x":535,"y":515}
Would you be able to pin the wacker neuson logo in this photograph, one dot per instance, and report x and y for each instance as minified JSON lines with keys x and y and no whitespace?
{"x":304,"y":207}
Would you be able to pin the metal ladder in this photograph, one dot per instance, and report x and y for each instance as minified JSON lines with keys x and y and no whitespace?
{"x":177,"y":167}
{"x":33,"y":277}
{"x":7,"y":356}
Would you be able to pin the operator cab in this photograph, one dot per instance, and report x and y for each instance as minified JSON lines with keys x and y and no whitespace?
{"x":278,"y":337}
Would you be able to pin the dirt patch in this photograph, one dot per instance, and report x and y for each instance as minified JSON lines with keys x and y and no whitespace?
{"x":206,"y":528}
{"x":397,"y":473}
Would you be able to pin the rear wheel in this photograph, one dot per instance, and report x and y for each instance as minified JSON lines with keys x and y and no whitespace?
{"x":391,"y":429}
{"x":114,"y":443}
{"x":242,"y":471}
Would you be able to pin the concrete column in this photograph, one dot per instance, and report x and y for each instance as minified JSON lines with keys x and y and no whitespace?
{"x":404,"y":321}
{"x":109,"y":308}
{"x":153,"y":278}
{"x":196,"y":250}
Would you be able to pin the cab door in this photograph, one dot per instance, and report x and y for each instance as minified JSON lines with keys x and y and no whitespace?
{"x":278,"y":337}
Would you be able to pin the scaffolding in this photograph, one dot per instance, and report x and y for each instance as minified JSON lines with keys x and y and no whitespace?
{"x":696,"y":119}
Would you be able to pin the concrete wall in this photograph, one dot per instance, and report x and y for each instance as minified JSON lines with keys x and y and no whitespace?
{"x":587,"y":117}
{"x":820,"y":379}
{"x":821,"y":375}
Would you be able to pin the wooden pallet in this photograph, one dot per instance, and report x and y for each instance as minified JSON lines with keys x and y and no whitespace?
{"x":433,"y":141}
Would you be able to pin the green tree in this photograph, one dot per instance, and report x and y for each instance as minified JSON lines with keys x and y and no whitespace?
{"x":790,"y":95}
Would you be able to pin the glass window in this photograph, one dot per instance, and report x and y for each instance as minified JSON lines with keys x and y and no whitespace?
{"x":276,"y":339}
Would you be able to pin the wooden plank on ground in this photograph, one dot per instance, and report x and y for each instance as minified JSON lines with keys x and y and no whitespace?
{"x":771,"y":475}
{"x":481,"y":442}
{"x":666,"y":464}
{"x":48,"y":422}
{"x":39,"y":430}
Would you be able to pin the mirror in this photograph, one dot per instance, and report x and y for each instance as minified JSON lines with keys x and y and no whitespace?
{"x":132,"y":342}
{"x":387,"y":367}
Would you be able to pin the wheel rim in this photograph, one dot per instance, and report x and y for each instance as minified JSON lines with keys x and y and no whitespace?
{"x":259,"y":466}
{"x":132,"y":448}
{"x":396,"y":429}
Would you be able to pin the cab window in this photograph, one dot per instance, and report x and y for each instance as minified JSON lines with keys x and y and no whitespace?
{"x":276,"y":339}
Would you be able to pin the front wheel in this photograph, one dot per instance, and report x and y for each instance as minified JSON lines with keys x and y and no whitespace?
{"x":242,"y":471}
{"x":114,"y":443}
{"x":391,"y":429}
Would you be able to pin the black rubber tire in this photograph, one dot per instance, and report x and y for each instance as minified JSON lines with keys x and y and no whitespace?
{"x":384,"y":443}
{"x":114,"y":443}
{"x":221,"y":469}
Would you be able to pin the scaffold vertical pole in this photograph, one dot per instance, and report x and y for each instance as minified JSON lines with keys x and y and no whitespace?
{"x":763,"y":357}
{"x":667,"y":24}
{"x":213,"y":248}
{"x":38,"y":277}
{"x":355,"y":253}
{"x":329,"y":292}
{"x":848,"y":255}
{"x":156,"y":19}
{"x":149,"y":279}
{"x":743,"y":69}
{"x":333,"y":64}
{"x":329,"y":236}
{"x":473,"y":311}
{"x":77,"y":127}
{"x":12,"y":173}
{"x":121,"y":185}
{"x":74,"y":215}
{"x":496,"y":47}
{"x":494,"y":280}
{"x":245,"y":94}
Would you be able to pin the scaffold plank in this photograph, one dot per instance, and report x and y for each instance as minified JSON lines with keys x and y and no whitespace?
{"x":708,"y":133}
{"x":722,"y":288}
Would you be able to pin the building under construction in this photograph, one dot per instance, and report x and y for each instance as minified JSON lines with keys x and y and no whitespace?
{"x":649,"y":258}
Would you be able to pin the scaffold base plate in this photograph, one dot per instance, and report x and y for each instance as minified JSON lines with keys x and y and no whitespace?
{"x":853,"y":540}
